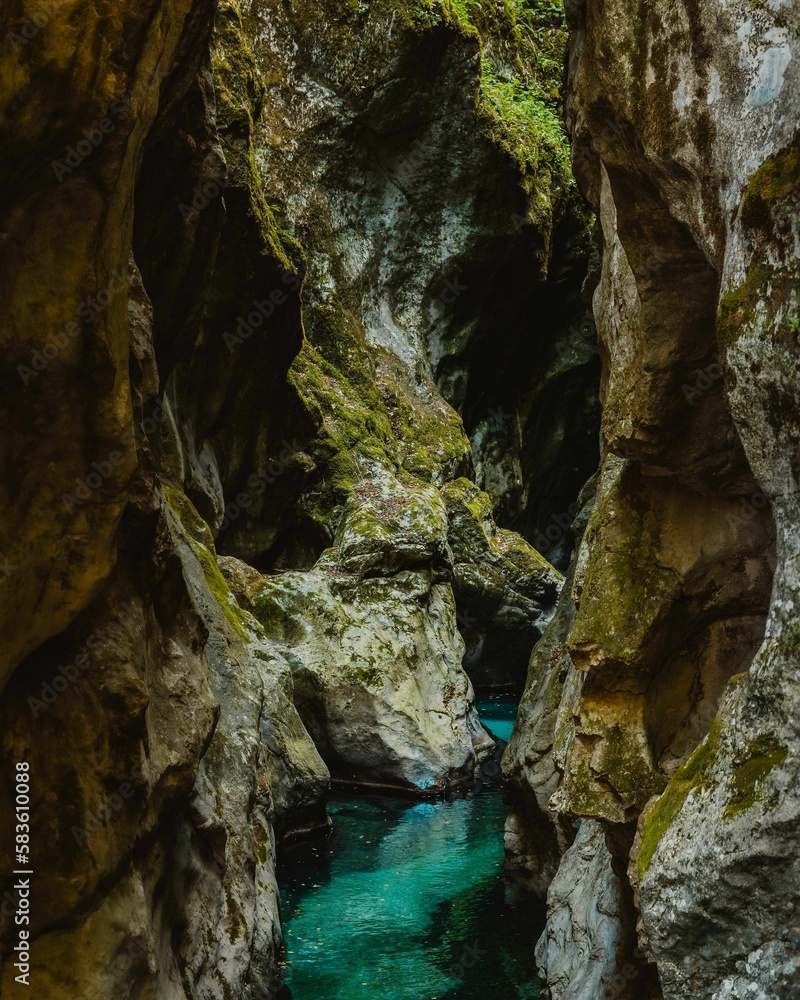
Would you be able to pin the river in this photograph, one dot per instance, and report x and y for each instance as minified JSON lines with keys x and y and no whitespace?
{"x":408,"y":901}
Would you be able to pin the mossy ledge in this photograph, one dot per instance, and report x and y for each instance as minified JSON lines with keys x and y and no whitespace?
{"x":198,"y":535}
{"x":693,"y":774}
{"x":747,"y":771}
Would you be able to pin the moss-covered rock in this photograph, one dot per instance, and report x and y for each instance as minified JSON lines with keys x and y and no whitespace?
{"x":377,"y":674}
{"x":505,"y":591}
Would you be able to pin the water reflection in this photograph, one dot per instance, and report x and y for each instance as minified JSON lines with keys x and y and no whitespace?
{"x":407,"y":901}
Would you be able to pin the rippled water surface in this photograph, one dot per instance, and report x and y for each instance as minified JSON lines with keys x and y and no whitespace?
{"x":407,"y":901}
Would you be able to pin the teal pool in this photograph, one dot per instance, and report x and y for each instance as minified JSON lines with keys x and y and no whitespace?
{"x":407,"y":901}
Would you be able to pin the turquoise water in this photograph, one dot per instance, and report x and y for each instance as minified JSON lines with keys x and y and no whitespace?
{"x":407,"y":901}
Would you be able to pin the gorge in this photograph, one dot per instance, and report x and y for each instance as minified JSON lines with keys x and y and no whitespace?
{"x":359,"y":360}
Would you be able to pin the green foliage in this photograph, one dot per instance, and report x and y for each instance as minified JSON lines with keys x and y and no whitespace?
{"x":523,"y":108}
{"x":529,"y":128}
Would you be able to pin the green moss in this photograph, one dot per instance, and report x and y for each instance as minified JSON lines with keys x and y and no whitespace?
{"x":761,"y":757}
{"x":749,"y":309}
{"x":627,"y":586}
{"x":219,"y":588}
{"x":523,"y":44}
{"x":363,"y":674}
{"x":194,"y":525}
{"x":693,"y":774}
{"x":200,"y":538}
{"x":523,"y":110}
{"x":529,"y":128}
{"x":737,"y":308}
{"x":269,"y":606}
{"x":524,"y":556}
{"x":629,"y":769}
{"x":777,"y":180}
{"x":365,"y":413}
{"x":240,"y":90}
{"x":470,"y":16}
{"x":772,"y":191}
{"x":353,"y":429}
{"x":473,"y":533}
{"x":787,"y":642}
{"x":430,"y":435}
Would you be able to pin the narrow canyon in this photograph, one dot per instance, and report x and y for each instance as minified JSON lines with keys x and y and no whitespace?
{"x":400,"y":500}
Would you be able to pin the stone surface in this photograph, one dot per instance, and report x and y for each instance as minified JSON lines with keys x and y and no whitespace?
{"x":326,"y":269}
{"x":374,"y":649}
{"x":265,"y":336}
{"x":180,"y":751}
{"x":536,"y":834}
{"x":67,"y":225}
{"x":684,"y":123}
{"x":505,"y":591}
{"x":584,"y":950}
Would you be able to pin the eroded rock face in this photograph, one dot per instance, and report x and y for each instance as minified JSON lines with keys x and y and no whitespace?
{"x":417,"y":157}
{"x":67,"y":218}
{"x":536,"y":834}
{"x":371,"y":636}
{"x":685,"y":125}
{"x":505,"y":590}
{"x":587,"y":947}
{"x":265,"y":363}
{"x":179,"y":753}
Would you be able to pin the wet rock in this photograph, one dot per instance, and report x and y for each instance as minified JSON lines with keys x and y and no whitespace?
{"x":684,"y":125}
{"x":536,"y":834}
{"x":166,"y":827}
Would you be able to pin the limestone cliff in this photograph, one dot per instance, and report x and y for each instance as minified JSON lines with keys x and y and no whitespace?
{"x":259,"y":284}
{"x":301,"y":398}
{"x":663,"y":703}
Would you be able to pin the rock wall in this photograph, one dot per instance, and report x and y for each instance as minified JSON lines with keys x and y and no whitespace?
{"x":299,"y":372}
{"x":660,"y":702}
{"x":259,"y":283}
